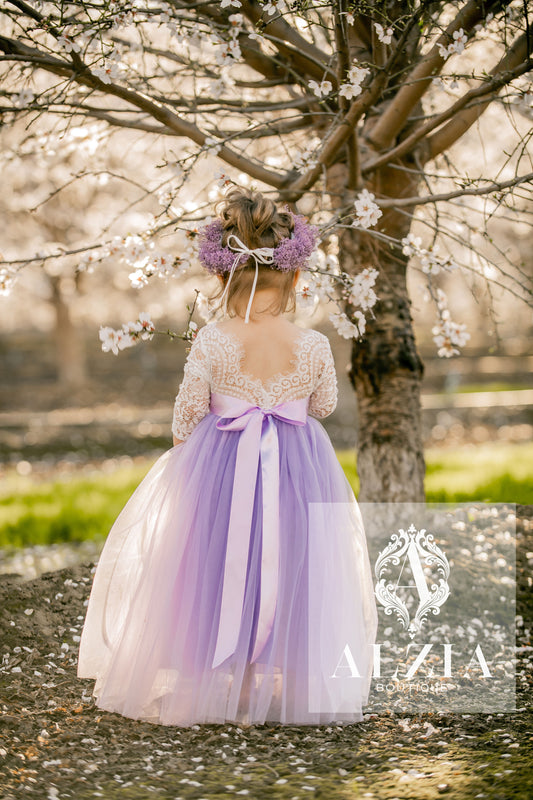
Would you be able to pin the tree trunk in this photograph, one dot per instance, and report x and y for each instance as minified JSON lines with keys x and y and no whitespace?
{"x":70,"y":351}
{"x":386,"y":369}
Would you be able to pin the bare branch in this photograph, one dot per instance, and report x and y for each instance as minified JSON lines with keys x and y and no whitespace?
{"x":395,"y":115}
{"x":494,"y":186}
{"x":503,"y":75}
{"x":311,"y":60}
{"x":157,"y":111}
{"x":344,"y":129}
{"x":460,"y":123}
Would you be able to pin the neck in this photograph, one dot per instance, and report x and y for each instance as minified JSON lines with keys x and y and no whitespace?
{"x":262,"y":300}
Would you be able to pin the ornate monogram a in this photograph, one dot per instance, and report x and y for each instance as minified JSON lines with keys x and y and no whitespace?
{"x":413,"y":546}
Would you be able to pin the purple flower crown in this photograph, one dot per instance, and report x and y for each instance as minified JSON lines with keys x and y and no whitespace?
{"x":291,"y":253}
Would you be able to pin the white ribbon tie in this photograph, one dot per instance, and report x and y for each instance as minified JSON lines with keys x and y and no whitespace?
{"x":261,"y":255}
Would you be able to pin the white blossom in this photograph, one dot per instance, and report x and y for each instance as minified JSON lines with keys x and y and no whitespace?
{"x":412,"y":245}
{"x":481,"y":25}
{"x":345,"y":327}
{"x":257,"y":37}
{"x":222,"y":179}
{"x":271,"y":6}
{"x":430,"y":260}
{"x":361,"y":292}
{"x":176,"y":169}
{"x":383,"y":36}
{"x":133,"y":250}
{"x":227,"y":53}
{"x":138,"y":279}
{"x":350,"y":90}
{"x":306,"y":298}
{"x":321,"y":89}
{"x":107,"y":72}
{"x":127,"y":336}
{"x":161,"y":264}
{"x":307,"y":159}
{"x":191,"y":333}
{"x":67,"y":45}
{"x":320,"y":284}
{"x":121,"y":19}
{"x":366,"y":298}
{"x":237,"y":23}
{"x":366,"y":210}
{"x":447,"y":333}
{"x":223,"y":83}
{"x":114,"y":340}
{"x":357,"y":74}
{"x":429,"y":263}
{"x":350,"y":19}
{"x":213,"y":144}
{"x":147,"y":325}
{"x":231,"y":3}
{"x":460,"y":40}
{"x":7,"y":280}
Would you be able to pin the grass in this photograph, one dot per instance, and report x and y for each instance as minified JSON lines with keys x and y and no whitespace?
{"x":64,"y":510}
{"x":85,"y":507}
{"x":489,"y":386}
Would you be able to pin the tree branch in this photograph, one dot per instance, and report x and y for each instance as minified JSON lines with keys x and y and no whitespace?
{"x":503,"y":75}
{"x":342,"y":132}
{"x":157,"y":111}
{"x":460,"y":123}
{"x":494,"y":186}
{"x":395,"y":115}
{"x":316,"y":61}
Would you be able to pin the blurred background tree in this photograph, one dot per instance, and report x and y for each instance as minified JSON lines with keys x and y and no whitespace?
{"x":353,"y":114}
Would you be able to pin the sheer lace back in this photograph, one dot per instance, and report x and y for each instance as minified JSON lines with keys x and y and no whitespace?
{"x":215,"y":364}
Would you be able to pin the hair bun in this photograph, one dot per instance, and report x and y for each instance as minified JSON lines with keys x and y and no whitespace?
{"x":254,"y":218}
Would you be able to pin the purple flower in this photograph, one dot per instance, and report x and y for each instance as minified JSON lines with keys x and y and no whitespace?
{"x":291,"y":253}
{"x":212,"y":255}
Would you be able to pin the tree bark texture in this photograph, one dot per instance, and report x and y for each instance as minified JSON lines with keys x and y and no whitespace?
{"x":386,"y":369}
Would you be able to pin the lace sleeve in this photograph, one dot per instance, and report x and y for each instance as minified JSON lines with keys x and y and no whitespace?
{"x":192,"y":400}
{"x":323,"y":400}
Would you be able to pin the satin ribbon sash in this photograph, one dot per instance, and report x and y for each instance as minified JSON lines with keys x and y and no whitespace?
{"x":258,"y":441}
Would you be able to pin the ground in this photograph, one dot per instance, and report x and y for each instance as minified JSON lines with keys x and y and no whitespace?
{"x":54,"y":742}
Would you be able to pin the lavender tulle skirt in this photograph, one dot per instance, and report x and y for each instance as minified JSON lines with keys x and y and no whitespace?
{"x":154,"y":611}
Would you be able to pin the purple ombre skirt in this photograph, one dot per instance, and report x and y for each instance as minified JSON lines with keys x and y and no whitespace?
{"x":235,"y":584}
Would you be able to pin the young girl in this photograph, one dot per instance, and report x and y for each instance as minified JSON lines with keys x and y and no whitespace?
{"x":235,"y":585}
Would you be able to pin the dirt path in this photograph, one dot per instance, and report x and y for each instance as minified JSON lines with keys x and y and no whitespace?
{"x":54,"y":743}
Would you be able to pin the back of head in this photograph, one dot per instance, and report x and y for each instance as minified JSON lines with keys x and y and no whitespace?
{"x":254,"y":218}
{"x":257,"y":222}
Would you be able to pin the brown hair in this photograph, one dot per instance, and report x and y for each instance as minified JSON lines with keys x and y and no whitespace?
{"x":257,"y":222}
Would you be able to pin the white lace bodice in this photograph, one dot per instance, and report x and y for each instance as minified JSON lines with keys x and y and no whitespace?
{"x":214,"y":364}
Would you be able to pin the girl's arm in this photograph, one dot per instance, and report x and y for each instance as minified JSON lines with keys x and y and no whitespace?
{"x":323,"y":400}
{"x":194,"y":394}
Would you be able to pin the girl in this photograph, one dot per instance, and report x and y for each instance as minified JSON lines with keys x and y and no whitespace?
{"x":235,"y":585}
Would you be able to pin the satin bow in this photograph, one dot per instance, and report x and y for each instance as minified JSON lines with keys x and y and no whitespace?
{"x":258,"y":441}
{"x":261,"y":255}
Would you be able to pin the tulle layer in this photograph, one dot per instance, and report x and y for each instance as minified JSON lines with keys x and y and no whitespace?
{"x":152,"y":619}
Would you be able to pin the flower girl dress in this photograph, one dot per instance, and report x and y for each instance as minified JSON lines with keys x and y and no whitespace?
{"x":235,"y":585}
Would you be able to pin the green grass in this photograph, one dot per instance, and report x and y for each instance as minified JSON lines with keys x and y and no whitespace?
{"x":492,"y":472}
{"x":64,"y":510}
{"x":497,"y":473}
{"x":490,"y":386}
{"x":84,"y":508}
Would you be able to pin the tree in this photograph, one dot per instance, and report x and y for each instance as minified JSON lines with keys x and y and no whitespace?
{"x":347,"y":112}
